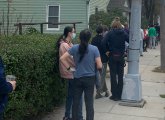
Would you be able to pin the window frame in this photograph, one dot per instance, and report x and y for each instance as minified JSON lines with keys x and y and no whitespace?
{"x":47,"y":17}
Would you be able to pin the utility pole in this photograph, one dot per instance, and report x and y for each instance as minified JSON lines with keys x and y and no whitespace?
{"x":162,"y":33}
{"x":132,"y":89}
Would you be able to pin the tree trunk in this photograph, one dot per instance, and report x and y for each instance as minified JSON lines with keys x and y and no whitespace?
{"x":149,"y":6}
{"x":162,"y":34}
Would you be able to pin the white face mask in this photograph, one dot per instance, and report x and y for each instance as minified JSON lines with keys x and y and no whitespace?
{"x":73,"y":36}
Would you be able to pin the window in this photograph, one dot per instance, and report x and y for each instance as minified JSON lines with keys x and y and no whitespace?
{"x":53,"y":17}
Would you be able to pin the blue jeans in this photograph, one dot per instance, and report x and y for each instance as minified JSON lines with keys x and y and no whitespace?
{"x":69,"y":100}
{"x":86,"y":85}
{"x":152,"y":41}
{"x":97,"y":82}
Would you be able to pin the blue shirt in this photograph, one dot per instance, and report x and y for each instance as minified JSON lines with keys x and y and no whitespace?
{"x":87,"y":67}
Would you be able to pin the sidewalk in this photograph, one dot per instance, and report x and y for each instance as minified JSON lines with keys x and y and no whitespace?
{"x":153,"y":84}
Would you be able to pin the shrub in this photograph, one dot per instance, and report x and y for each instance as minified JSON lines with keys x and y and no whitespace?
{"x":31,"y":59}
{"x":31,"y":30}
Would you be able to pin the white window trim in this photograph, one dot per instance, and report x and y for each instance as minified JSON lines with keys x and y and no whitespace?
{"x":47,"y":13}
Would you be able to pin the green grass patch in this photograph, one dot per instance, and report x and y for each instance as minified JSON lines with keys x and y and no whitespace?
{"x":158,"y":69}
{"x":162,"y":96}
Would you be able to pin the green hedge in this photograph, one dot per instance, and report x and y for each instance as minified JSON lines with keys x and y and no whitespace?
{"x":31,"y":59}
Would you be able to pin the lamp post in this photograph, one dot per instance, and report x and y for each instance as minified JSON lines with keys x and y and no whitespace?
{"x":162,"y":33}
{"x":132,"y":89}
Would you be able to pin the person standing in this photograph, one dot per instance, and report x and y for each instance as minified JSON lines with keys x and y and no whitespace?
{"x":116,"y":39}
{"x":97,"y":41}
{"x":157,"y":27}
{"x":145,"y":40}
{"x":5,"y":88}
{"x":141,"y":41}
{"x":87,"y":59}
{"x":65,"y":43}
{"x":152,"y":35}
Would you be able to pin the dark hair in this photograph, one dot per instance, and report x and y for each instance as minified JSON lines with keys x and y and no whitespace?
{"x":99,"y":29}
{"x":85,"y":36}
{"x":64,"y":35}
{"x":151,"y":25}
{"x":105,"y":28}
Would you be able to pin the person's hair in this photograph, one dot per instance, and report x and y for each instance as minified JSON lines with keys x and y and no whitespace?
{"x":84,"y":36}
{"x":64,"y":35}
{"x":156,"y":24}
{"x":116,"y":23}
{"x":105,"y":28}
{"x":99,"y":29}
{"x":151,"y":25}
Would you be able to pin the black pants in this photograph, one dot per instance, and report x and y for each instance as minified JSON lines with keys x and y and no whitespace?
{"x":86,"y":85}
{"x":116,"y":64}
{"x":145,"y":45}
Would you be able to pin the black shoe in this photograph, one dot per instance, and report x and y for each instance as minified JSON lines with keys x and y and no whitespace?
{"x":111,"y":97}
{"x":118,"y":98}
{"x":98,"y":95}
{"x":114,"y":98}
{"x":67,"y":118}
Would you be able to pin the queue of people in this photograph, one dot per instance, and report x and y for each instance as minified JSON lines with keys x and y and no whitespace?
{"x":151,"y":37}
{"x":84,"y":65}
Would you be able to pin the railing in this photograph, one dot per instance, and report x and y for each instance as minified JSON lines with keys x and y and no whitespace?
{"x":20,"y":25}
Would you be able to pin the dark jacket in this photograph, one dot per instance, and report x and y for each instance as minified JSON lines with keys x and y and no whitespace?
{"x":97,"y":41}
{"x":115,"y":41}
{"x":5,"y":88}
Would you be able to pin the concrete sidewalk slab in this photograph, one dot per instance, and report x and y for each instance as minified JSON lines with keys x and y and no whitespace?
{"x":106,"y":116}
{"x":153,"y":84}
{"x":153,"y":89}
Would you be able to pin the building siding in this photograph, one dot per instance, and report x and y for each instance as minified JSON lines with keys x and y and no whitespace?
{"x":100,"y":4}
{"x":120,"y":4}
{"x":36,"y":11}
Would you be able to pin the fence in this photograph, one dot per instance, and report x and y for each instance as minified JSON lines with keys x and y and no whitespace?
{"x":20,"y":25}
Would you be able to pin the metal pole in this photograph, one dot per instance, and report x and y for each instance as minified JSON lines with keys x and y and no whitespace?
{"x":162,"y":34}
{"x":132,"y":91}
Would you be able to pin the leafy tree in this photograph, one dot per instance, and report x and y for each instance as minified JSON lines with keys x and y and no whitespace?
{"x":151,"y":10}
{"x":103,"y":18}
